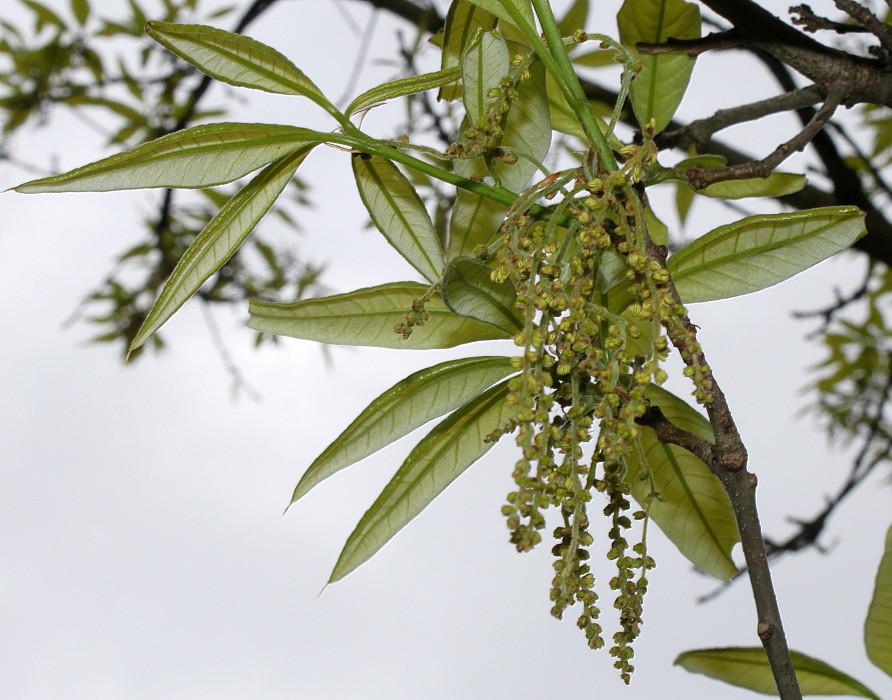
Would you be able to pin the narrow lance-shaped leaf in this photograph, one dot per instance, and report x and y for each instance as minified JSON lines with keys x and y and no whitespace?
{"x":43,"y":16}
{"x":775,"y":185}
{"x":234,"y":59}
{"x":441,"y":456}
{"x":691,"y":506}
{"x":747,"y":667}
{"x":527,"y":128}
{"x":410,"y":403}
{"x":878,"y":625}
{"x":203,"y":156}
{"x":81,"y":10}
{"x":684,"y":197}
{"x":462,"y":22}
{"x":499,"y":9}
{"x":659,"y":87}
{"x":576,"y":17}
{"x":468,"y":290}
{"x":402,"y":87}
{"x":484,"y":64}
{"x":398,"y":212}
{"x":760,"y":251}
{"x":368,"y":317}
{"x":219,"y":241}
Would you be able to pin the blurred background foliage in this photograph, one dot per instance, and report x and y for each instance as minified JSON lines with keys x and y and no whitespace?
{"x":107,"y":72}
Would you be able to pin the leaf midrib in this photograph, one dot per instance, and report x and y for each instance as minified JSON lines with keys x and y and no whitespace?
{"x":749,"y":252}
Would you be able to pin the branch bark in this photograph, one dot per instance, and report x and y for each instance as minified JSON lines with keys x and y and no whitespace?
{"x":727,"y":459}
{"x":702,"y":177}
{"x":700,"y":131}
{"x":867,"y":80}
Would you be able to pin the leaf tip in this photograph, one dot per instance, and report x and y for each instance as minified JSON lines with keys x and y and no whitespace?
{"x":135,"y":344}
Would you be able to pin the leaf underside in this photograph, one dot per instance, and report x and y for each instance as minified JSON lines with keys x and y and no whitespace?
{"x":368,"y":317}
{"x":233,"y":58}
{"x":747,"y":667}
{"x":441,"y":456}
{"x":469,"y":291}
{"x":878,"y":625}
{"x":220,"y":240}
{"x":202,"y":156}
{"x":409,"y":404}
{"x":760,"y":251}
{"x":658,"y":89}
{"x":399,"y":214}
{"x":692,"y":507}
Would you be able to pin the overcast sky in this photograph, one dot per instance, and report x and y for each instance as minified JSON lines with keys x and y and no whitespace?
{"x":144,"y":551}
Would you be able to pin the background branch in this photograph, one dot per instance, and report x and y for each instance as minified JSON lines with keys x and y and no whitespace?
{"x":727,"y":459}
{"x":702,"y":177}
{"x":700,"y":131}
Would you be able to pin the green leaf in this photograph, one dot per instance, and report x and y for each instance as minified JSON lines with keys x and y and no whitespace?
{"x":368,"y":317}
{"x":199,"y":157}
{"x":878,"y":626}
{"x":760,"y":251}
{"x":747,"y":667}
{"x":485,"y":63}
{"x":403,"y":87}
{"x":656,"y":229}
{"x":595,"y":59}
{"x":692,"y":507}
{"x":499,"y":9}
{"x":441,"y":456}
{"x":81,"y":10}
{"x":704,"y":160}
{"x":658,"y":89}
{"x":684,"y":197}
{"x":411,"y":403}
{"x":234,"y":59}
{"x":562,"y":116}
{"x":398,"y":212}
{"x":469,"y":291}
{"x":219,"y":241}
{"x":43,"y":16}
{"x":576,"y":18}
{"x":775,"y":185}
{"x":462,"y":22}
{"x":132,"y":115}
{"x":527,"y":128}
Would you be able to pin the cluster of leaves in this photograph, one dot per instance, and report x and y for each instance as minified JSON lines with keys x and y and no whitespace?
{"x":854,"y":379}
{"x":130,"y":92}
{"x":573,"y":269}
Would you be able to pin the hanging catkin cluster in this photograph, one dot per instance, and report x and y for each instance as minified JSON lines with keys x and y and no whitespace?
{"x":588,"y":356}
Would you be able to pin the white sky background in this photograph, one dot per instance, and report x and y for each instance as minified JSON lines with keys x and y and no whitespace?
{"x":144,"y":552}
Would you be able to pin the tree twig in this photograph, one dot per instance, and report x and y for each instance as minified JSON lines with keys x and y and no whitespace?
{"x":810,"y":530}
{"x":867,"y":19}
{"x":828,"y":313}
{"x":700,"y":131}
{"x":727,"y":459}
{"x":806,"y":18}
{"x":693,"y":47}
{"x":700,"y":177}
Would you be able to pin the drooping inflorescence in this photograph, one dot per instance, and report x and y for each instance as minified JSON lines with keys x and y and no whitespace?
{"x":593,"y":303}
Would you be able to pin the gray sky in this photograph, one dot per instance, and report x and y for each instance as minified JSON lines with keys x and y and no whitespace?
{"x":145,"y":554}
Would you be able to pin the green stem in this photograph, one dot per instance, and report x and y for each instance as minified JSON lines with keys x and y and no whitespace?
{"x":360,"y":141}
{"x":562,"y":70}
